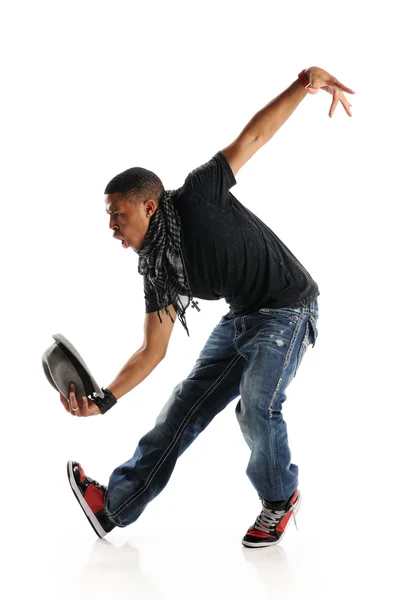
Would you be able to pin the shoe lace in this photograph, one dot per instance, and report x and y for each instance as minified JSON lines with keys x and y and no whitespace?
{"x":93,"y":481}
{"x":269,"y":518}
{"x":97,"y":484}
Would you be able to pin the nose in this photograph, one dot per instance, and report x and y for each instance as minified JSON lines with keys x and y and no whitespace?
{"x":111,"y":224}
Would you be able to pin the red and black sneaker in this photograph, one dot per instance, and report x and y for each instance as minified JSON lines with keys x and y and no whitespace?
{"x":90,"y":495}
{"x":272,"y":522}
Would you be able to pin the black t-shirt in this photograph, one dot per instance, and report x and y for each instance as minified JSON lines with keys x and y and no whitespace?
{"x":229,"y":252}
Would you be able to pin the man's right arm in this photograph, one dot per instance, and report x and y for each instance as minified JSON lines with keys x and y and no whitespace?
{"x":149,"y":355}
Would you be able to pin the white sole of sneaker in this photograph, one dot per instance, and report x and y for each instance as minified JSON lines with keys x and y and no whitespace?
{"x":84,"y":505}
{"x":268,"y":544}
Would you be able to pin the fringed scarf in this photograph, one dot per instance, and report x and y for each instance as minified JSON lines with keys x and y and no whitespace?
{"x":161,"y":261}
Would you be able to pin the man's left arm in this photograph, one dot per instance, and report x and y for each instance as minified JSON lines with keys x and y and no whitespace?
{"x":266,"y":122}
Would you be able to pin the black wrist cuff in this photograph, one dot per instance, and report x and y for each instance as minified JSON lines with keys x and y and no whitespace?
{"x":105,"y":403}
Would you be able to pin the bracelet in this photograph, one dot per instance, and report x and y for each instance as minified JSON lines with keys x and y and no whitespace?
{"x":105,"y":403}
{"x":305,"y":82}
{"x":303,"y":78}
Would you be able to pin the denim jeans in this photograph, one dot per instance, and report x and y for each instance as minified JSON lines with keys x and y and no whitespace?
{"x":254,"y":356}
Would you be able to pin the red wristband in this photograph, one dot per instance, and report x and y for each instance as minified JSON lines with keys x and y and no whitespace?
{"x":303,"y":78}
{"x":306,"y":83}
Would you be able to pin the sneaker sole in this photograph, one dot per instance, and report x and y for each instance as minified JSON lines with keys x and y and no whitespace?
{"x":84,"y":505}
{"x":267,"y":544}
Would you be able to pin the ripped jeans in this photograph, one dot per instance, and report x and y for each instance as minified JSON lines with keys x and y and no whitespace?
{"x":254,"y":356}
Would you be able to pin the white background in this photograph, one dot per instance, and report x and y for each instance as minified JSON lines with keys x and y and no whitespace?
{"x":90,"y":89}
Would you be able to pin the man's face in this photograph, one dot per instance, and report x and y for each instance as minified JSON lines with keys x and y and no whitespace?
{"x":128,"y":221}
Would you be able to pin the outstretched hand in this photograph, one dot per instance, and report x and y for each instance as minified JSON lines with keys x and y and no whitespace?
{"x":83,"y":407}
{"x":320,"y":79}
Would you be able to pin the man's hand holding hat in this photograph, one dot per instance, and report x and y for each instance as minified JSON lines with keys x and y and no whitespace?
{"x":79,"y":408}
{"x":68,"y":373}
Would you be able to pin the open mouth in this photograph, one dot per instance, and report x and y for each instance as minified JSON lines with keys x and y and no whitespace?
{"x":123,"y":242}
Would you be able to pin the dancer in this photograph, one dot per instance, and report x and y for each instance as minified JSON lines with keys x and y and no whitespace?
{"x":200,"y":241}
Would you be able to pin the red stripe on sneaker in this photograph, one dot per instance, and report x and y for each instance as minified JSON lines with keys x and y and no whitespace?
{"x":258,"y":533}
{"x":82,"y":475}
{"x":282,"y":525}
{"x":94,"y":497}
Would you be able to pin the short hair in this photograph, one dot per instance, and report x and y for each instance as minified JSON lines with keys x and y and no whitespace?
{"x":136,"y":185}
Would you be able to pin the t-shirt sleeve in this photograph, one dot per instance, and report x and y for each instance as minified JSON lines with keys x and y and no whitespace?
{"x":150,"y":298}
{"x":213,"y":180}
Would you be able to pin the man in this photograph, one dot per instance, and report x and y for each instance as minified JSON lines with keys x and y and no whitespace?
{"x":200,"y":240}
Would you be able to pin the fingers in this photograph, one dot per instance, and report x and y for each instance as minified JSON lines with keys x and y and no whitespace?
{"x":338,"y":95}
{"x":336,"y":88}
{"x":338,"y":85}
{"x":335,"y":100}
{"x":85,"y":409}
{"x":93,"y":409}
{"x":81,"y":408}
{"x":343,"y":87}
{"x":346,"y":104}
{"x":74,"y":406}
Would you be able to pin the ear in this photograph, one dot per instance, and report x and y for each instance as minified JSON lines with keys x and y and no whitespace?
{"x":150,"y":206}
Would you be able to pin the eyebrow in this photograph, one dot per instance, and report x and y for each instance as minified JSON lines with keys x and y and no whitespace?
{"x":112,"y":211}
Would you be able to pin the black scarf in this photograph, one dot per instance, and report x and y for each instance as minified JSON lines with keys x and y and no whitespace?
{"x":161,"y":261}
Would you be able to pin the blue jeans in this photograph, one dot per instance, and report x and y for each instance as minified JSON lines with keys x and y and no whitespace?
{"x":255,"y":357}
